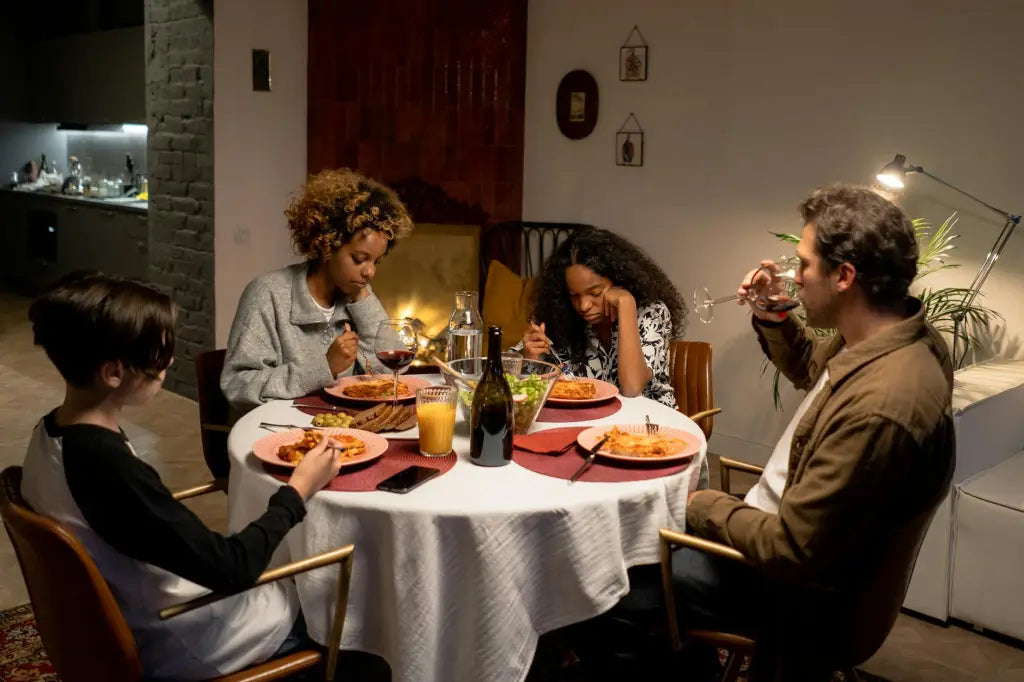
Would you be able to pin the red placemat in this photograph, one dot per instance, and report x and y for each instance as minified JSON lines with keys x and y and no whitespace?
{"x":579,"y":414}
{"x":565,"y":465}
{"x":359,"y":479}
{"x":315,"y":404}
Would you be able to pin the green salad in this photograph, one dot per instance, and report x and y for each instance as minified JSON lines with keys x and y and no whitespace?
{"x":527,"y":397}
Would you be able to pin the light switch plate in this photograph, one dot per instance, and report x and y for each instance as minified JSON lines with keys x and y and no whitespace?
{"x":261,"y":70}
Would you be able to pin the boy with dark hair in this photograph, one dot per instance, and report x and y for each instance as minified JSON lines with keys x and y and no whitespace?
{"x":112,"y":341}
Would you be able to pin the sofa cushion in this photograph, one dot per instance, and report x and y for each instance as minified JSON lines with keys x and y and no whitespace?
{"x":1002,"y":485}
{"x":507,"y":302}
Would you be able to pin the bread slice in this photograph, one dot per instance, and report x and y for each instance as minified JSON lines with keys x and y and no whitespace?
{"x":360,"y":419}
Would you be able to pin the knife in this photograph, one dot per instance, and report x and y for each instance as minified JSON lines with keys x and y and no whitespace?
{"x":590,"y":459}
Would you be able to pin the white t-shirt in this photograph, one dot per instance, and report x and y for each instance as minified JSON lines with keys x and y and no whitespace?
{"x":766,"y":494}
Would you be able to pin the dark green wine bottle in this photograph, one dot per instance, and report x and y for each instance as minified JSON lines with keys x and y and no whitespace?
{"x":491,"y":422}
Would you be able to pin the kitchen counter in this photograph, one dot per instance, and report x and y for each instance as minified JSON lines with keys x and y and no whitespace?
{"x":121,"y":203}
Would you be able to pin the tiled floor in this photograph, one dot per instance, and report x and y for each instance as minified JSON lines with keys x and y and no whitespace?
{"x":166,"y":434}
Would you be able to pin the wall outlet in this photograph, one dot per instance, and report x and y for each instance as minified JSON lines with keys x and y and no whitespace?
{"x":241,"y":236}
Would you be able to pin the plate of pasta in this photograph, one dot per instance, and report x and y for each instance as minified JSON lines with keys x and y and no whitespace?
{"x":287,"y":448}
{"x":583,"y":391}
{"x":632,"y":443}
{"x":376,"y":388}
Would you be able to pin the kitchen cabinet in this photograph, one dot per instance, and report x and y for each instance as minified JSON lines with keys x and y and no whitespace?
{"x":89,"y":78}
{"x":44,"y":238}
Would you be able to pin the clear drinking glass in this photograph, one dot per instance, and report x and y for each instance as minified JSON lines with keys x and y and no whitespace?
{"x":435,"y":416}
{"x":769,"y":292}
{"x":396,"y":346}
{"x":465,"y":328}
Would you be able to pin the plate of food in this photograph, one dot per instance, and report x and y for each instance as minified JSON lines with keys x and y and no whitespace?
{"x":287,"y":448}
{"x":583,"y":391}
{"x":632,"y":443}
{"x":376,"y":388}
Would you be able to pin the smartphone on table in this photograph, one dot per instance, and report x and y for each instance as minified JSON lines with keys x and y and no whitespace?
{"x":407,"y":479}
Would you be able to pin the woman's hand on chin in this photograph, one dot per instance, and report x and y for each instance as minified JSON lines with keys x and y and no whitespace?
{"x":617,"y":299}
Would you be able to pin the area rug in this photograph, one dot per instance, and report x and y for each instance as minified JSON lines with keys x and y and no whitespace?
{"x":22,"y":658}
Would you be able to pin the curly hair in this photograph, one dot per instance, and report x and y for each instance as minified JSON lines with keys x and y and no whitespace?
{"x":856,"y":225}
{"x":611,"y":256}
{"x":336,"y":205}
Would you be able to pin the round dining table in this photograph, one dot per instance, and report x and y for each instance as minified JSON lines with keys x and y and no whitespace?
{"x":456,"y":580}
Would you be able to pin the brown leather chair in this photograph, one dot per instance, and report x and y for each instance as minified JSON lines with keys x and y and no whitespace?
{"x":690,"y":367}
{"x":80,"y":623}
{"x":862,"y":620}
{"x":213,"y":414}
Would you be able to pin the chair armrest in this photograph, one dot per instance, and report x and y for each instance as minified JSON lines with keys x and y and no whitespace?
{"x":725,"y":465}
{"x":674,"y":540}
{"x":342,"y":555}
{"x":196,"y":491}
{"x":705,"y":413}
{"x":670,"y":540}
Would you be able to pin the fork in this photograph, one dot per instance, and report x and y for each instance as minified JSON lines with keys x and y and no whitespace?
{"x":650,"y":427}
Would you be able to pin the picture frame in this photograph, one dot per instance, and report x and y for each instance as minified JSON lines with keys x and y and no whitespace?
{"x":633,"y":63}
{"x":633,"y":57}
{"x":576,"y":104}
{"x":629,"y":149}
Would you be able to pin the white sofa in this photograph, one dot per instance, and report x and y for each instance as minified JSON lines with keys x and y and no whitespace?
{"x":988,"y":409}
{"x":988,"y":549}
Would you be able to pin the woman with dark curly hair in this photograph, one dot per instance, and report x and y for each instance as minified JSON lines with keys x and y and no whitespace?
{"x":299,"y":328}
{"x":610,"y":312}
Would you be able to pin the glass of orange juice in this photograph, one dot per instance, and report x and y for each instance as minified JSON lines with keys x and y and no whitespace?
{"x":435,"y":415}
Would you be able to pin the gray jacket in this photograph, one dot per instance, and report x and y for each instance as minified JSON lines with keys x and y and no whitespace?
{"x":277,"y":348}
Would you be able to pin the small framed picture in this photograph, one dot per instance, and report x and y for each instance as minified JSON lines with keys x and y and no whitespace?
{"x":629,"y":149}
{"x":577,"y":107}
{"x":633,"y":63}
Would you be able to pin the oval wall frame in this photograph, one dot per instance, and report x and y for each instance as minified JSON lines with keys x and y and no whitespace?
{"x":576,"y":104}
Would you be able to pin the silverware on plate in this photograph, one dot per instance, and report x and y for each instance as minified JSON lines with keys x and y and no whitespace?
{"x":270,"y":426}
{"x":590,"y":459}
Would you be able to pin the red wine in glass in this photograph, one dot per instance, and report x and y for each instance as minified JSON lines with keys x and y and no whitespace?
{"x":396,"y":360}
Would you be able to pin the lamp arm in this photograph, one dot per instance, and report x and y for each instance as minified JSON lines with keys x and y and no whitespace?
{"x":922,"y":171}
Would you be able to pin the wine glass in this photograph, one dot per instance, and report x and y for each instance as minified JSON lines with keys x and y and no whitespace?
{"x":773,"y":293}
{"x":395,"y":345}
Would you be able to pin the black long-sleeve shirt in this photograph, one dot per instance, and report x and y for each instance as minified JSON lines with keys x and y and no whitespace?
{"x":124,"y":501}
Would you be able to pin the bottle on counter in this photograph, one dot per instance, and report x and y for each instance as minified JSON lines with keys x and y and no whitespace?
{"x":491,"y":417}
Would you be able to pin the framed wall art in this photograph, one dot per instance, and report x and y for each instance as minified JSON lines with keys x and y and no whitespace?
{"x":629,"y":143}
{"x":576,"y":104}
{"x":633,"y":57}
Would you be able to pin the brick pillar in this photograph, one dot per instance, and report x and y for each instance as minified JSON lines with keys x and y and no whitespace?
{"x":179,"y":111}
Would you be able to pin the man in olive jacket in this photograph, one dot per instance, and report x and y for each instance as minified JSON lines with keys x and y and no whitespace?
{"x":874,"y":451}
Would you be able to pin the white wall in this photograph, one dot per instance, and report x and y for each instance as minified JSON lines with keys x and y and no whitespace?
{"x":259,"y":142}
{"x":751,"y":104}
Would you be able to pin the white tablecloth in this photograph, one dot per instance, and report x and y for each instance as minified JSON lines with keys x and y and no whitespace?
{"x":456,"y":580}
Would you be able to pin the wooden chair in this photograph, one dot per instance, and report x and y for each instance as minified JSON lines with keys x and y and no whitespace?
{"x":690,"y":367}
{"x":213,"y":415}
{"x":80,"y":623}
{"x":870,"y":614}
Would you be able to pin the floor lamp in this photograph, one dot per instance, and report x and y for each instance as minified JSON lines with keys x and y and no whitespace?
{"x":892,"y":175}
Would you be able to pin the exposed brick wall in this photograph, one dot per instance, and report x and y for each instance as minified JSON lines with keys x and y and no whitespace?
{"x":179,"y":111}
{"x":431,"y":89}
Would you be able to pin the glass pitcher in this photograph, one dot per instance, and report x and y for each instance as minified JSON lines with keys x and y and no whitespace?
{"x":465,"y":328}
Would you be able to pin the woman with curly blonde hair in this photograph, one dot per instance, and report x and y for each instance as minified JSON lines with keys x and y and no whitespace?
{"x":299,"y":328}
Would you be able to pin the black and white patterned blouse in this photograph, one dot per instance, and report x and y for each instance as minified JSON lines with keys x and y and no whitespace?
{"x":655,"y":324}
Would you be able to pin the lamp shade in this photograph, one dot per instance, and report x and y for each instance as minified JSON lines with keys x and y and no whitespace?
{"x":891,"y":175}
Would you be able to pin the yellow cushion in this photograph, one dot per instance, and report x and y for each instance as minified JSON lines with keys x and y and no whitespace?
{"x":507,"y":302}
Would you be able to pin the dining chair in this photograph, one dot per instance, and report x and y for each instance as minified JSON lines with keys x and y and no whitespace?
{"x":690,"y":367}
{"x":213,"y":415}
{"x":81,"y":625}
{"x":870,"y":610}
